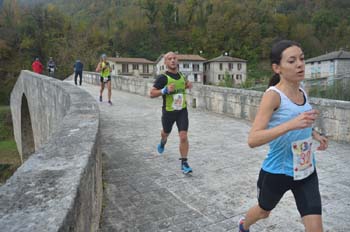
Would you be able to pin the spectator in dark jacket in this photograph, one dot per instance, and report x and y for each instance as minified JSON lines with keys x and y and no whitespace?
{"x":37,"y":66}
{"x":78,"y":71}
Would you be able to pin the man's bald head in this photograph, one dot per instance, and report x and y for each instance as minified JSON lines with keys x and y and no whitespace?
{"x":170,"y":61}
{"x":169,"y":54}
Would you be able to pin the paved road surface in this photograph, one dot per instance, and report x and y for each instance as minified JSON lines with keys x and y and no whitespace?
{"x":144,"y":191}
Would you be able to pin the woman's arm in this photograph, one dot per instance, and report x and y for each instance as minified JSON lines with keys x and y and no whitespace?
{"x":98,"y":68}
{"x":270,"y":101}
{"x":258,"y":134}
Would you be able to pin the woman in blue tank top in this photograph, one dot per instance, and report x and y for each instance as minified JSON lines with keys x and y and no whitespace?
{"x":284,"y":120}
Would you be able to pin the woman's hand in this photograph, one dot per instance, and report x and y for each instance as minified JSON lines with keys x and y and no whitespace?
{"x":323,"y":140}
{"x":304,"y":120}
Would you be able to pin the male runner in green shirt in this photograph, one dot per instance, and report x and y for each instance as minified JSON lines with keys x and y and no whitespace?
{"x":171,"y":86}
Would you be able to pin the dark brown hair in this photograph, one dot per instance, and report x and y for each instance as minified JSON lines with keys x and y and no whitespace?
{"x":276,"y":56}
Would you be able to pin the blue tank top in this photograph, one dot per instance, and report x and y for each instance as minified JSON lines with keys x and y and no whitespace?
{"x":279,"y":159}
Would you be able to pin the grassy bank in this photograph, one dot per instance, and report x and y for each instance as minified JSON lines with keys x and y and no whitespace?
{"x":9,"y":157}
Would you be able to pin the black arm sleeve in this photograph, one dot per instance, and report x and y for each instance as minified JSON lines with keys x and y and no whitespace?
{"x":160,"y":82}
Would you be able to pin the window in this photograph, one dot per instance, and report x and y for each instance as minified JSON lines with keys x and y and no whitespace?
{"x":219,"y":77}
{"x":195,"y":77}
{"x":230,"y":66}
{"x":145,"y":68}
{"x":135,"y":66}
{"x":196,"y":67}
{"x":186,"y":65}
{"x":125,"y":68}
{"x":220,"y":66}
{"x":113,"y":66}
{"x":239,"y":66}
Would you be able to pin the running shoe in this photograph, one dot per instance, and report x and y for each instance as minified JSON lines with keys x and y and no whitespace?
{"x":185,"y":167}
{"x":100,"y":98}
{"x":110,"y":102}
{"x":240,"y":225}
{"x":160,"y":148}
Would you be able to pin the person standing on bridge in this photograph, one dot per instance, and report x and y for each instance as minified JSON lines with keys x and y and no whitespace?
{"x":37,"y":66}
{"x":105,"y":69}
{"x":78,"y":71}
{"x":51,"y":67}
{"x":171,"y":86}
{"x":284,"y":120}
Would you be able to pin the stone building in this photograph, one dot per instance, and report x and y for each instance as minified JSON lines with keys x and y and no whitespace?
{"x":216,"y":69}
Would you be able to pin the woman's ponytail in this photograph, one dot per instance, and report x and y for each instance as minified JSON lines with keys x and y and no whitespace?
{"x":274,"y":80}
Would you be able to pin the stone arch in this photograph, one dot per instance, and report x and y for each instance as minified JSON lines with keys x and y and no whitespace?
{"x":27,"y":136}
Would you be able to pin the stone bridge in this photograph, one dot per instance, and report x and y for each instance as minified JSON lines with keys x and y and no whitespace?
{"x":64,"y":135}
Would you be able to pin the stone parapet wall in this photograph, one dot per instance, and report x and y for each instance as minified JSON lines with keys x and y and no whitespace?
{"x":130,"y":84}
{"x":59,"y":186}
{"x":334,"y":120}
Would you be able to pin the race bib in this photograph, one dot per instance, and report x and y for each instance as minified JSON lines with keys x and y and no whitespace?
{"x":302,"y":158}
{"x":105,"y":79}
{"x":178,"y":101}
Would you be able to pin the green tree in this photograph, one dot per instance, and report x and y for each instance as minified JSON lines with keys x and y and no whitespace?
{"x":229,"y":81}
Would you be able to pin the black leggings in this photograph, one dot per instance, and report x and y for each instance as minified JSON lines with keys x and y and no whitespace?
{"x":271,"y":188}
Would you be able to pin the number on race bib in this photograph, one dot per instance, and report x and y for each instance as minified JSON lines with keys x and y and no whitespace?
{"x":302,"y":159}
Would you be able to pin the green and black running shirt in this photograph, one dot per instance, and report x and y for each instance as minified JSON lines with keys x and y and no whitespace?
{"x":177,"y":99}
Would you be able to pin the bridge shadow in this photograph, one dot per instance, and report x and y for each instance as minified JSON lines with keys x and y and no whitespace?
{"x":27,"y":136}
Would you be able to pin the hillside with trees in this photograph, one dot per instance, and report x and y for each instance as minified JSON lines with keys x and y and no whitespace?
{"x":83,"y":29}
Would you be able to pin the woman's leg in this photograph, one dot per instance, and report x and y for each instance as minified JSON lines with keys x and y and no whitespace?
{"x":313,"y":223}
{"x":109,"y":86}
{"x":253,"y":215}
{"x":102,"y":85}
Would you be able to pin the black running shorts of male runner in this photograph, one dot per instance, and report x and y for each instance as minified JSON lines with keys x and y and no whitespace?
{"x":102,"y":79}
{"x":178,"y":116}
{"x":271,"y":188}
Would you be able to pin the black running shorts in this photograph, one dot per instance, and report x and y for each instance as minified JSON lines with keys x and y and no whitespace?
{"x":271,"y":188}
{"x":178,"y":116}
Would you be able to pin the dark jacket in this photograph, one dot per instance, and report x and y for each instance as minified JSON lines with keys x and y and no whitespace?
{"x":78,"y":66}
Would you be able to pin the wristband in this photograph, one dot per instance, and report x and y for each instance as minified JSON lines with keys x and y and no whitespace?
{"x":165,"y":90}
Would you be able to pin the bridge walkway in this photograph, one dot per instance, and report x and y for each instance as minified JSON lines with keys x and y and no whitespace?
{"x":144,"y":191}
